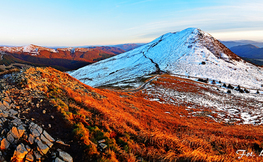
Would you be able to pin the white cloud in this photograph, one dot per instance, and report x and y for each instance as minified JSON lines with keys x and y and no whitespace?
{"x":233,"y":21}
{"x":256,"y":35}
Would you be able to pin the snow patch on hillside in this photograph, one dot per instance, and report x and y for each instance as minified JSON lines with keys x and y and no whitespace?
{"x":245,"y":108}
{"x":116,"y":69}
{"x":31,"y":49}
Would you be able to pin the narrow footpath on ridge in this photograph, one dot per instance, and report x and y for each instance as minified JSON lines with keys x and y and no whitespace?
{"x":142,"y":86}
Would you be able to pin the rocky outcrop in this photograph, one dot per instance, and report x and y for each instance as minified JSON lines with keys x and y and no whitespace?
{"x":24,"y":140}
{"x":30,"y":115}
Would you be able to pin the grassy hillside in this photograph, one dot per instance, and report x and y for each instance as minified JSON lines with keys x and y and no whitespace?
{"x":129,"y":126}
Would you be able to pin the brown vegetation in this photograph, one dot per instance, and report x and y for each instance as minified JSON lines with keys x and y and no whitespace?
{"x":136,"y":129}
{"x":63,"y":59}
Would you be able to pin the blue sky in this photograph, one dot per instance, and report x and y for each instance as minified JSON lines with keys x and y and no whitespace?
{"x":104,"y":22}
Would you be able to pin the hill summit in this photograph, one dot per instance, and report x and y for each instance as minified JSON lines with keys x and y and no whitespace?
{"x":190,"y":52}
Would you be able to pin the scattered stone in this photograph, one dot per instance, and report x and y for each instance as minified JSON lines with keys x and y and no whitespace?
{"x":4,"y":144}
{"x":58,"y":160}
{"x":21,"y":130}
{"x":14,"y":132}
{"x":31,"y":139}
{"x":19,"y":153}
{"x":60,"y":142}
{"x":42,"y":148}
{"x":39,"y":129}
{"x":28,"y":148}
{"x":102,"y":145}
{"x":6,"y":104}
{"x":30,"y":157}
{"x":101,"y":141}
{"x":46,"y":141}
{"x":12,"y":105}
{"x":37,"y":155}
{"x":65,"y":156}
{"x":20,"y":136}
{"x":3,"y":119}
{"x":4,"y":114}
{"x":35,"y":133}
{"x":10,"y":138}
{"x":3,"y":131}
{"x":13,"y":112}
{"x":32,"y":125}
{"x":16,"y":121}
{"x":7,"y":99}
{"x":2,"y":106}
{"x":48,"y":136}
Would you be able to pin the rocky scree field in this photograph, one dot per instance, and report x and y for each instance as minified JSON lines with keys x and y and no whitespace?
{"x":24,"y":138}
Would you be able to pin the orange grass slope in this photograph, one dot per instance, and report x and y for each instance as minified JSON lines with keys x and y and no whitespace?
{"x":137,"y":129}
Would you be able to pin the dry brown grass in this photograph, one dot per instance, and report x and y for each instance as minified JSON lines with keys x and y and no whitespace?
{"x":135,"y":127}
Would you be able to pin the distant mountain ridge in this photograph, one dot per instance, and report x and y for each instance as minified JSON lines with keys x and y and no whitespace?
{"x":189,"y":52}
{"x":248,"y":51}
{"x":128,"y":46}
{"x":230,"y":44}
{"x":61,"y":58}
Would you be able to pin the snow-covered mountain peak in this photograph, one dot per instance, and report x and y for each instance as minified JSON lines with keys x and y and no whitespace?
{"x":190,"y":52}
{"x":191,"y":30}
{"x":30,"y":48}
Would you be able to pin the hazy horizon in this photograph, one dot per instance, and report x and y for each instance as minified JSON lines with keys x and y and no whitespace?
{"x":64,"y":46}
